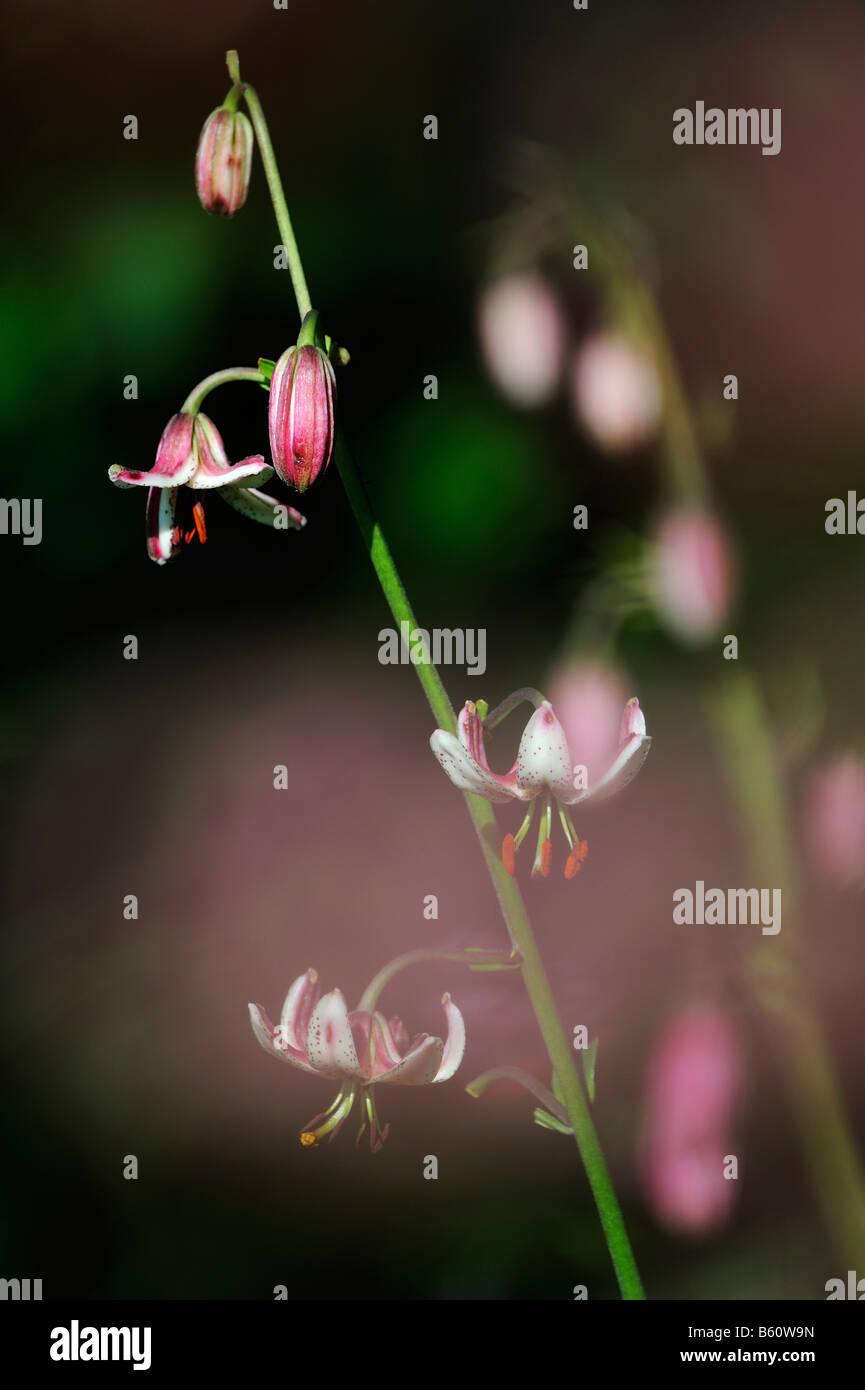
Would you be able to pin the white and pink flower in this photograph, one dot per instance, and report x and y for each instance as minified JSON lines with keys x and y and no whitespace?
{"x":362,"y":1049}
{"x":545,"y":771}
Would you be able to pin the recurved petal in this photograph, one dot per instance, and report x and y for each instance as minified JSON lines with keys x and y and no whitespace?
{"x":297,"y":1010}
{"x":418,"y":1067}
{"x":214,"y":469}
{"x":330,"y":1046}
{"x":467,"y":774}
{"x":630,"y":757}
{"x":385,"y":1053}
{"x":271,"y":1040}
{"x":176,"y":458}
{"x":544,"y":759}
{"x":455,"y":1042}
{"x":162,"y":535}
{"x":257,"y":506}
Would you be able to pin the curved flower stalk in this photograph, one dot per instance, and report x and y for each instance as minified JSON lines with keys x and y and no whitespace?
{"x":361,"y":1048}
{"x":191,"y":454}
{"x":544,"y":771}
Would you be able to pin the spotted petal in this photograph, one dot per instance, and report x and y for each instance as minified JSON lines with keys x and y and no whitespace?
{"x":258,"y":506}
{"x":162,"y":536}
{"x":466,"y":772}
{"x":297,"y":1010}
{"x":272,"y":1041}
{"x":330,"y":1048}
{"x":544,"y":759}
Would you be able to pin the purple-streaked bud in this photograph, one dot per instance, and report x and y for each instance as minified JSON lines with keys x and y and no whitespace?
{"x":522,"y":337}
{"x":223,"y":162}
{"x":302,"y":393}
{"x":693,"y":1086}
{"x":691,"y":572}
{"x":616,"y":392}
{"x":835,"y":821}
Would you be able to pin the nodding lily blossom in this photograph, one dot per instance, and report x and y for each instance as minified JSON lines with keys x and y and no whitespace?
{"x":360,"y":1049}
{"x":545,"y":771}
{"x":191,"y":454}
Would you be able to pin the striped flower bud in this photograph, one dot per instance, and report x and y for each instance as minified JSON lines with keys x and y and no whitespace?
{"x":223,"y":162}
{"x":302,"y":392}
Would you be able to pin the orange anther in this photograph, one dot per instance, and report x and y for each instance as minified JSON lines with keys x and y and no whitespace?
{"x":198,"y":518}
{"x":583,"y":849}
{"x":509,"y":854}
{"x":572,"y":865}
{"x":546,"y":857}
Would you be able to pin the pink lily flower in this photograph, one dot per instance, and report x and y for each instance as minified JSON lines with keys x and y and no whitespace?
{"x":191,"y":454}
{"x":545,"y":771}
{"x":362,"y":1049}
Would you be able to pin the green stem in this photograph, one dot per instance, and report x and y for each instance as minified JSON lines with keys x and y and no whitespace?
{"x":511,"y":904}
{"x":481,"y":812}
{"x":476,"y":959}
{"x":197,"y":395}
{"x":274,"y":183}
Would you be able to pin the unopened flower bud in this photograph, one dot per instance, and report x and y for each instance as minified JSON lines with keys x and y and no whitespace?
{"x":302,"y":392}
{"x":834,"y":821}
{"x":223,"y":162}
{"x":691,"y":572}
{"x":522,"y":337}
{"x":616,"y":392}
{"x":693,"y":1087}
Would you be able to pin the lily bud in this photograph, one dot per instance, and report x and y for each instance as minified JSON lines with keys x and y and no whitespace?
{"x":693,"y":1088}
{"x":835,"y":821}
{"x":223,"y":162}
{"x":302,"y":392}
{"x":616,"y":393}
{"x":522,"y":337}
{"x":691,"y":573}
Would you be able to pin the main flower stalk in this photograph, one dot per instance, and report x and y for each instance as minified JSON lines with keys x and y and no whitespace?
{"x":483,"y":817}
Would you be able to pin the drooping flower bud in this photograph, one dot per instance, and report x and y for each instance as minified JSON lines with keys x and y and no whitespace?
{"x":692,"y":1090}
{"x":616,"y":392}
{"x":691,"y":572}
{"x":588,"y":697}
{"x":834,"y":821}
{"x":302,"y":392}
{"x":522,"y":337}
{"x":223,"y":162}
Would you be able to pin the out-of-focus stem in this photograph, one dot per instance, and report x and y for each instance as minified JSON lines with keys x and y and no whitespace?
{"x":774,"y":974}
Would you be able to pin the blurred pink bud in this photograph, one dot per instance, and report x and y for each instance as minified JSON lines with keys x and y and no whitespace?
{"x":588,"y":698}
{"x":835,"y":821}
{"x":302,"y":392}
{"x":522,"y":337}
{"x":691,"y":572}
{"x":616,"y":392}
{"x":223,"y":162}
{"x":693,"y":1084}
